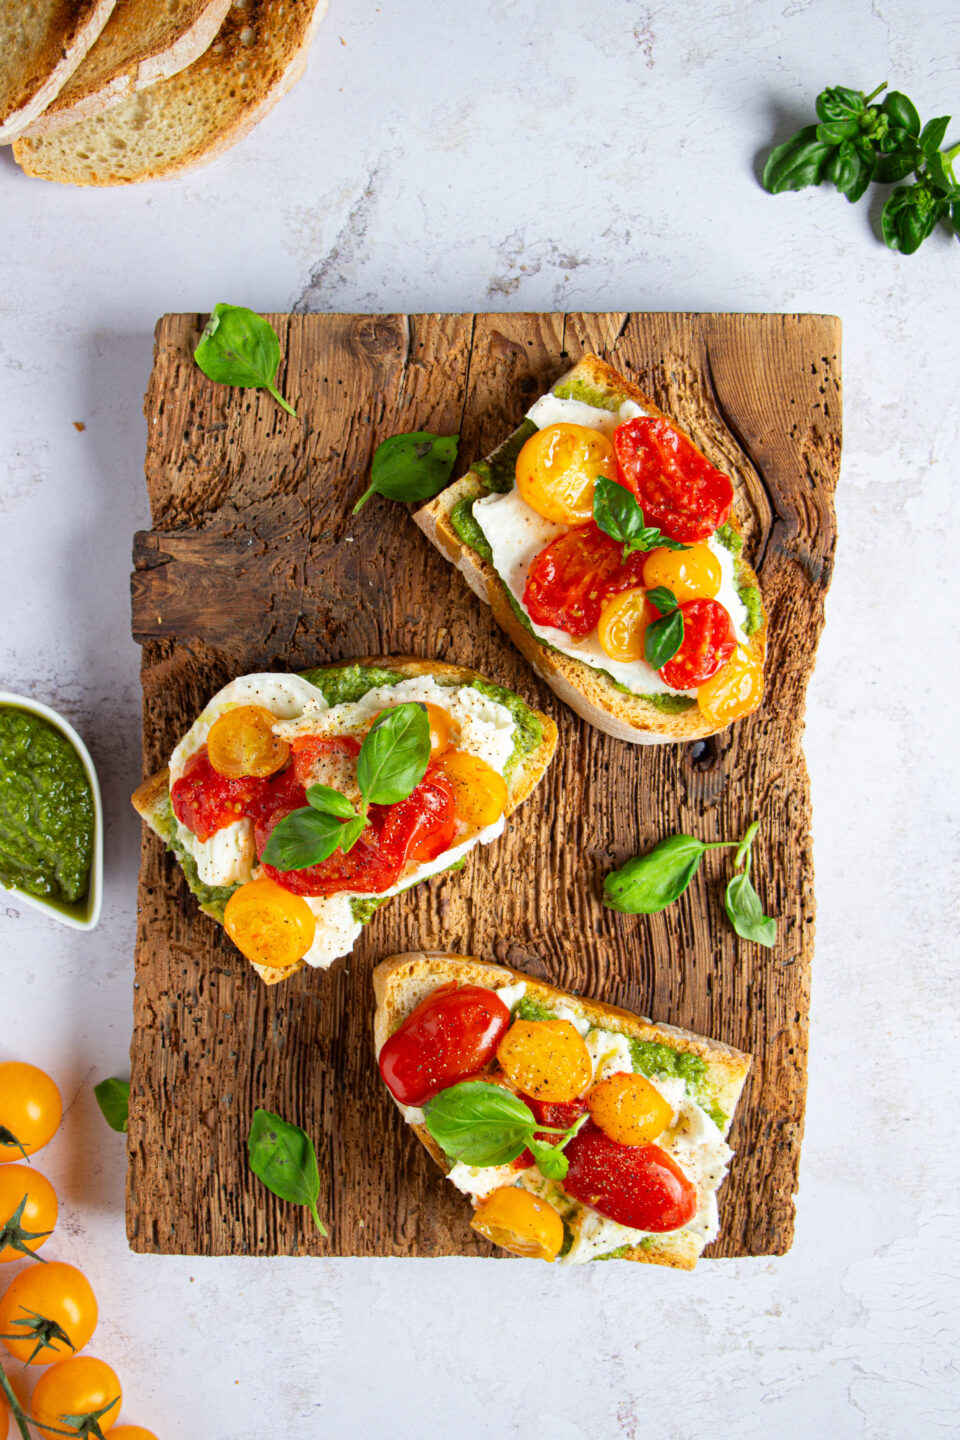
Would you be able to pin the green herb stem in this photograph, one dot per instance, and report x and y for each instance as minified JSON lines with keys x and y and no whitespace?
{"x":13,"y":1402}
{"x":874,"y":93}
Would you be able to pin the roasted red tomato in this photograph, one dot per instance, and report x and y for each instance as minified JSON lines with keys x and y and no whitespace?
{"x":425,"y":824}
{"x":636,"y":1185}
{"x":678,"y":489}
{"x":569,"y":580}
{"x":312,"y":752}
{"x":205,"y":802}
{"x":708,"y":645}
{"x":561,"y":1113}
{"x":450,"y":1036}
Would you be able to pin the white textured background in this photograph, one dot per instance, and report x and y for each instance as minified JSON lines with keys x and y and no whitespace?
{"x":537,"y":156}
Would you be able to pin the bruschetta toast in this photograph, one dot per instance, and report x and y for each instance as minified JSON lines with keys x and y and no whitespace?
{"x":609,"y":549}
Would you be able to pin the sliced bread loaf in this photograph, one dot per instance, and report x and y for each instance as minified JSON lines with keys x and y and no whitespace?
{"x":41,"y":45}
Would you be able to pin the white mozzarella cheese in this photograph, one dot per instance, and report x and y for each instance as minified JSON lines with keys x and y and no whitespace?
{"x":554,"y":410}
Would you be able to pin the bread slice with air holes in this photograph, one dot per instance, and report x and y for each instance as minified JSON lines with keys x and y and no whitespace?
{"x":259,"y":54}
{"x":591,"y":692}
{"x":41,"y":45}
{"x":534,"y":743}
{"x":141,"y":43}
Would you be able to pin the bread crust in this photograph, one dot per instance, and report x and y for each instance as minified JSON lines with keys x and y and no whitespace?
{"x":588,"y":692}
{"x":65,"y":49}
{"x":402,"y":981}
{"x":527,"y":773}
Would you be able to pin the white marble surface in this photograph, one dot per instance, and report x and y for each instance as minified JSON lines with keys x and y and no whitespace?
{"x":533,"y":156}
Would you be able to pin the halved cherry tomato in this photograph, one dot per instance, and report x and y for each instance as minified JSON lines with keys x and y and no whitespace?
{"x":693,"y":574}
{"x":629,"y":1109}
{"x":443,"y":728}
{"x":708,"y":644}
{"x":327,"y":759}
{"x":206,"y":802}
{"x":557,"y":471}
{"x":241,"y":742}
{"x":677,"y":487}
{"x":636,"y":1185}
{"x":30,"y":1110}
{"x":79,"y":1386}
{"x":450,"y":1036}
{"x":131,"y":1432}
{"x":364,"y":870}
{"x":573,"y":575}
{"x":623,"y":623}
{"x":520,"y":1222}
{"x":479,"y":793}
{"x":268,"y":924}
{"x":558,"y":1114}
{"x":733,"y":691}
{"x":19,"y":1184}
{"x":546,"y":1059}
{"x":42,"y":1301}
{"x":425,"y":824}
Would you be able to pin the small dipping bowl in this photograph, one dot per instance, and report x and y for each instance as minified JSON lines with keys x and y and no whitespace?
{"x":81,"y":914}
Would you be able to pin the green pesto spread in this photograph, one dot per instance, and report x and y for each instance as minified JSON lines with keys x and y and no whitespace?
{"x":574,"y":387}
{"x":528,"y":1009}
{"x":46,"y":810}
{"x":343,"y":684}
{"x":527,"y":730}
{"x":467,"y":528}
{"x":213,"y":898}
{"x":732,"y":540}
{"x":499,"y":470}
{"x":660,"y":1062}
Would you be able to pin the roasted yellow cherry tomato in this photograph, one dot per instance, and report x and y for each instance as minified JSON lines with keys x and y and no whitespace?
{"x":444,"y":730}
{"x":19,"y":1184}
{"x":479,"y":793}
{"x":557,"y":471}
{"x":268,"y":924}
{"x":623,"y":625}
{"x":41,"y":1302}
{"x":80,"y":1386}
{"x":30,"y":1110}
{"x":629,"y":1109}
{"x":132,"y":1432}
{"x":733,"y":691}
{"x":241,"y":742}
{"x":692,"y":574}
{"x":520,"y":1222}
{"x":546,"y":1059}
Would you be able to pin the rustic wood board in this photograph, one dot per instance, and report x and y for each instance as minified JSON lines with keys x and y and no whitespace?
{"x":255,"y":562}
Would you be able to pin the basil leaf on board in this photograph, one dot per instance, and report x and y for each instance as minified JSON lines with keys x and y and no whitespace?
{"x":902,"y":111}
{"x":649,"y":883}
{"x":239,"y":347}
{"x":113,"y":1097}
{"x":411,"y":467}
{"x":283,"y":1157}
{"x":330,"y":801}
{"x":745,"y":912}
{"x":617,"y":513}
{"x":303,"y":838}
{"x":479,"y":1123}
{"x":663,"y":598}
{"x":394,"y":756}
{"x":798,"y":162}
{"x":663,"y":639}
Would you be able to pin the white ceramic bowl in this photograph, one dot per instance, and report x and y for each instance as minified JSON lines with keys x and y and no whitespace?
{"x":83,"y":914}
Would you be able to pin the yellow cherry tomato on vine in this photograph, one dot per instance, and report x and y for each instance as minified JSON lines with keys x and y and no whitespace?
{"x":30,"y":1110}
{"x":520,"y":1222}
{"x":558,"y":468}
{"x":629,"y":1109}
{"x":44,"y":1304}
{"x":79,"y":1386}
{"x":735,"y":690}
{"x":268,"y":924}
{"x":692,"y":574}
{"x":241,"y":742}
{"x":622,"y":627}
{"x":479,"y":793}
{"x":546,"y":1059}
{"x":21,"y":1184}
{"x":444,"y":730}
{"x":132,"y":1432}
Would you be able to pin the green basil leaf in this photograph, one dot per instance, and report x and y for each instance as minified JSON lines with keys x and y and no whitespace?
{"x":283,"y":1157}
{"x":651,"y":882}
{"x":662,"y":598}
{"x":479,"y":1123}
{"x":839,"y":103}
{"x":663,"y":639}
{"x":745,"y":911}
{"x":939,"y":175}
{"x":411,"y":467}
{"x":933,"y":133}
{"x":835,"y":131}
{"x":113,"y":1097}
{"x":303,"y":838}
{"x":902,"y":111}
{"x":616,"y":511}
{"x":798,"y":162}
{"x":239,"y":347}
{"x":867,"y":167}
{"x":955,"y":217}
{"x":909,"y":216}
{"x":551,"y":1161}
{"x":330,"y":801}
{"x":351,"y":833}
{"x":393,"y":758}
{"x":844,"y":168}
{"x":897,"y":164}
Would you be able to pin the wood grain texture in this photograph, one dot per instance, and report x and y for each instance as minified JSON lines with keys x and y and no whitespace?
{"x":255,"y":562}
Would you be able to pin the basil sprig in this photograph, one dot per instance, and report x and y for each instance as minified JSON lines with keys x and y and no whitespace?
{"x":113,"y":1097}
{"x":411,"y":467}
{"x":617,"y":512}
{"x":392,"y":761}
{"x":482,"y":1124}
{"x":649,"y":883}
{"x":663,"y":637}
{"x":239,"y":347}
{"x":857,"y":142}
{"x":283,"y":1157}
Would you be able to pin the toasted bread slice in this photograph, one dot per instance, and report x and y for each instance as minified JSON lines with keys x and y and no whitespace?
{"x":259,"y":53}
{"x":141,"y":43}
{"x":401,"y":982}
{"x":41,"y":45}
{"x":152,"y":799}
{"x":592,"y":693}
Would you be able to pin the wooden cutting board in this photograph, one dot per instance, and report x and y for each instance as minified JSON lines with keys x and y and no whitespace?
{"x":255,"y":562}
